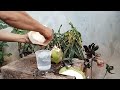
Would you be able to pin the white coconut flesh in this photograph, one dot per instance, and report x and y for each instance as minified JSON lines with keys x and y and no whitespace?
{"x":56,"y":49}
{"x":36,"y":37}
{"x":72,"y":72}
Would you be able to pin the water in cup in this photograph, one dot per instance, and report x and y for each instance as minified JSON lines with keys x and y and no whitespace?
{"x":43,"y":58}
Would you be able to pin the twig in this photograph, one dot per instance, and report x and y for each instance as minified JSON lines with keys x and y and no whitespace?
{"x":105,"y":74}
{"x":91,"y":68}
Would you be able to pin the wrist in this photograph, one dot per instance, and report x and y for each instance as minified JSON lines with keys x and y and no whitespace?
{"x":40,"y":28}
{"x":22,"y":39}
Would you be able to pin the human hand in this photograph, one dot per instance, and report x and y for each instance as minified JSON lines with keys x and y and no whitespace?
{"x":37,"y":38}
{"x":48,"y":36}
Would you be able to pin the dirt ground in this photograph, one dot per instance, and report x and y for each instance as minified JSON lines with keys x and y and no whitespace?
{"x":1,"y":76}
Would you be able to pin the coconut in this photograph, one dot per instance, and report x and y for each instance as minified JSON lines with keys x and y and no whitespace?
{"x":36,"y":37}
{"x":70,"y":71}
{"x":56,"y":55}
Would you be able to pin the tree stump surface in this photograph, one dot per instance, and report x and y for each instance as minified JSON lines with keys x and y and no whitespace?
{"x":26,"y":67}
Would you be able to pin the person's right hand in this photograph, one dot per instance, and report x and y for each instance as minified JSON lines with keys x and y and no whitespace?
{"x":48,"y":36}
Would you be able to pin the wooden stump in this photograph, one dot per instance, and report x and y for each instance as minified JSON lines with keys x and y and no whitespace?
{"x":25,"y":69}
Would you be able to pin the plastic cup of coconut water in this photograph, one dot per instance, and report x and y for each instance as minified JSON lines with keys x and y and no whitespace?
{"x":43,"y":58}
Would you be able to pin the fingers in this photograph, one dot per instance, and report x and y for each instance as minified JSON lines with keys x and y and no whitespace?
{"x":49,"y":34}
{"x":47,"y":39}
{"x":46,"y":42}
{"x":27,"y":39}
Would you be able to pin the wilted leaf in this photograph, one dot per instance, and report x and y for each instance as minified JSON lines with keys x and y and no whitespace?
{"x":89,"y":46}
{"x":87,"y":60}
{"x":89,"y":55}
{"x":7,"y":54}
{"x":93,"y":52}
{"x":96,"y":48}
{"x":92,"y":46}
{"x":109,"y":68}
{"x":87,"y":64}
{"x":86,"y":48}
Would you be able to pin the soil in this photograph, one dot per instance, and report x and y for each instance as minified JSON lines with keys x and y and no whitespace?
{"x":1,"y":76}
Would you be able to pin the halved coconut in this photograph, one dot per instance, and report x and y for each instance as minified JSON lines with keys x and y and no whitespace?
{"x":36,"y":37}
{"x":70,"y":71}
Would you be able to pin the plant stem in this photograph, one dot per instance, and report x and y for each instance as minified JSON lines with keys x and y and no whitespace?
{"x":91,"y":68}
{"x":88,"y":73}
{"x":105,"y":74}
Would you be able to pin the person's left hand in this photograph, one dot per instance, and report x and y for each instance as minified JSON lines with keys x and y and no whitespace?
{"x":27,"y":40}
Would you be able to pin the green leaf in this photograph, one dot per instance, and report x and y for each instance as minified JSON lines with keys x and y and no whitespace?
{"x":78,"y":52}
{"x":19,"y":31}
{"x":5,"y":44}
{"x":71,"y":25}
{"x":3,"y":25}
{"x":1,"y":55}
{"x":71,"y":52}
{"x":14,"y":31}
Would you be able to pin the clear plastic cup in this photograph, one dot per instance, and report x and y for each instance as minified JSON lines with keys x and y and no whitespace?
{"x":43,"y":58}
